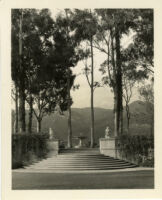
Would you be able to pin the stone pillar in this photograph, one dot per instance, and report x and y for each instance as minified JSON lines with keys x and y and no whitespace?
{"x":51,"y":134}
{"x":53,"y":145}
{"x":107,"y":147}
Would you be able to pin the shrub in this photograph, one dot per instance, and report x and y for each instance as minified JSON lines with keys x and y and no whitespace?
{"x":135,"y":148}
{"x":27,"y":148}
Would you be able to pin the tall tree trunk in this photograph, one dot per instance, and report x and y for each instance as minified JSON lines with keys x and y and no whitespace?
{"x":39,"y":121}
{"x":69,"y":142}
{"x":39,"y":117}
{"x":92,"y":95}
{"x":69,"y":128}
{"x":21,"y":83}
{"x":128,"y":116}
{"x":16,"y":109}
{"x":115,"y":87}
{"x":22,"y":110}
{"x":115,"y":113}
{"x":30,"y":114}
{"x":121,"y":114}
{"x":69,"y":112}
{"x":119,"y":84}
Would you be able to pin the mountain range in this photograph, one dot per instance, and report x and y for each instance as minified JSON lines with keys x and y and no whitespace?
{"x":140,"y":122}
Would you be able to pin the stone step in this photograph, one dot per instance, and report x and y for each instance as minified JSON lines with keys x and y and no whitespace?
{"x":80,"y":160}
{"x":80,"y":155}
{"x":65,"y":151}
{"x":84,"y":159}
{"x":91,"y":162}
{"x":82,"y":168}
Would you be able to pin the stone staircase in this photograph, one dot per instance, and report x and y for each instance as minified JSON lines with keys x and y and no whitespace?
{"x":79,"y":160}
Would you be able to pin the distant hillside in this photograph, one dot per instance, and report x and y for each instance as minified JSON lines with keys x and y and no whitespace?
{"x":140,"y":122}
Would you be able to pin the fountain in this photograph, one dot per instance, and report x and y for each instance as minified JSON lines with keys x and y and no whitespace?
{"x":81,"y":138}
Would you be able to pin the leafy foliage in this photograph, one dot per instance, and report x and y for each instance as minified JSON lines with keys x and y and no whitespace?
{"x":147,"y":93}
{"x":26,"y":147}
{"x":135,"y":148}
{"x":48,"y":53}
{"x":52,"y":47}
{"x":143,"y":46}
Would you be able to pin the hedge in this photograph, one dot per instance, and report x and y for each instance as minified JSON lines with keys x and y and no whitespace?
{"x":137,"y":149}
{"x":27,"y":148}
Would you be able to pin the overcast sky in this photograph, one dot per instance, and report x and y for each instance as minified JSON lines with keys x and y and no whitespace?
{"x":103,"y":97}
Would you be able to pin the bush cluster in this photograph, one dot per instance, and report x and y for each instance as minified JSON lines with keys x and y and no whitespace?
{"x":136,"y":149}
{"x":27,"y":148}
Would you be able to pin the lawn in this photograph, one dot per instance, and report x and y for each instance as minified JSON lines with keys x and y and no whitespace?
{"x":116,"y":180}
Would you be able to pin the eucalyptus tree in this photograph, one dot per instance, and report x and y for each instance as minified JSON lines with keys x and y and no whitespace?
{"x":49,"y":79}
{"x":137,"y":58}
{"x":84,"y":25}
{"x":14,"y":95}
{"x":127,"y":94}
{"x":143,"y":48}
{"x":147,"y":95}
{"x":42,"y":73}
{"x":129,"y":80}
{"x":38,"y":43}
{"x":17,"y":67}
{"x":48,"y":96}
{"x":29,"y":28}
{"x":112,"y":25}
{"x":132,"y":74}
{"x":67,"y":56}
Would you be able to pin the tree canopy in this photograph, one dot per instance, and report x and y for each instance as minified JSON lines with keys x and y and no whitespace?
{"x":45,"y":49}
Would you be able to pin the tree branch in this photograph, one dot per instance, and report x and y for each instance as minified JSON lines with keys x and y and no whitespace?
{"x":88,"y":79}
{"x":86,"y":74}
{"x":13,"y":94}
{"x":99,"y":48}
{"x":35,"y":113}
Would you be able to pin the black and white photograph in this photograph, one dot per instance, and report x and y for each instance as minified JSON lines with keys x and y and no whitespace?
{"x":82,"y":98}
